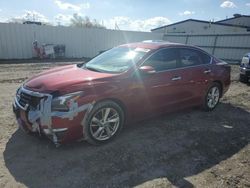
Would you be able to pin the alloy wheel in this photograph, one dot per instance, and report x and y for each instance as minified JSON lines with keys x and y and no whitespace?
{"x":104,"y":123}
{"x":213,"y":97}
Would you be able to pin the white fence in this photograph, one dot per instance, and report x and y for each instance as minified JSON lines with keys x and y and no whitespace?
{"x":229,"y":47}
{"x":16,"y":39}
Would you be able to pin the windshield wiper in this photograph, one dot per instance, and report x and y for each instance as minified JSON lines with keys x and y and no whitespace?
{"x":79,"y":65}
{"x":92,"y":69}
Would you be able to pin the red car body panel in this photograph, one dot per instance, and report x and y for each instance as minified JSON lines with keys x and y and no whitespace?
{"x":140,"y":96}
{"x":64,"y":76}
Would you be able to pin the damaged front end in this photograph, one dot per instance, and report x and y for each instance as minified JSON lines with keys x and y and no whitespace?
{"x":54,"y":117}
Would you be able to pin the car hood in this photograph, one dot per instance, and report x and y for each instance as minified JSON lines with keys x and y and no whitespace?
{"x":63,"y":77}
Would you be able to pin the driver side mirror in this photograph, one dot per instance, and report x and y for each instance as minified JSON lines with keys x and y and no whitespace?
{"x":147,"y":70}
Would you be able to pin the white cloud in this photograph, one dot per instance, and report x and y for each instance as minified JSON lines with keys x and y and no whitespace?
{"x":30,"y":15}
{"x":228,"y":4}
{"x":248,"y":4}
{"x":3,"y":19}
{"x":186,"y":13}
{"x":70,"y":6}
{"x":126,"y":23}
{"x":155,"y":22}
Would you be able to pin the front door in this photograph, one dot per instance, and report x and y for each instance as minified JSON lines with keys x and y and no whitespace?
{"x":162,"y":89}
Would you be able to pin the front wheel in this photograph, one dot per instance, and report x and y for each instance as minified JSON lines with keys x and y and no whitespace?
{"x":104,"y":122}
{"x":212,"y":97}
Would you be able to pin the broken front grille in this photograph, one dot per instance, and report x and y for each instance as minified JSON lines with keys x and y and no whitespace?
{"x":27,"y":100}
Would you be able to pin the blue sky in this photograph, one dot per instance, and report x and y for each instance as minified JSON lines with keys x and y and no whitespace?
{"x":140,"y":15}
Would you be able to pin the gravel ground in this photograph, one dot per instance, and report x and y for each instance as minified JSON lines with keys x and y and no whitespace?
{"x":191,"y":148}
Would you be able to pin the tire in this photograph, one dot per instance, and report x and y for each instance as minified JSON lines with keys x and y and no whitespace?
{"x":243,"y":78}
{"x":25,"y":129}
{"x":103,"y":123}
{"x":212,"y":97}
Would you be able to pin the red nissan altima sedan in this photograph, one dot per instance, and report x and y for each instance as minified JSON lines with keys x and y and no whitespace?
{"x":92,"y":101}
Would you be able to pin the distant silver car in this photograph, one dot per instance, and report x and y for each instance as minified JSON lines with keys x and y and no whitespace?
{"x":245,"y":68}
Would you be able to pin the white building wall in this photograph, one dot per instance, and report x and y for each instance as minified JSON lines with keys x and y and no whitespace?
{"x":16,"y":39}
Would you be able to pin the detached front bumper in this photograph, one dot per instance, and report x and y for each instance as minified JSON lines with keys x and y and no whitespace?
{"x":60,"y":127}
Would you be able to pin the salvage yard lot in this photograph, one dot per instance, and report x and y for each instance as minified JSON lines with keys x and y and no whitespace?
{"x":188,"y":148}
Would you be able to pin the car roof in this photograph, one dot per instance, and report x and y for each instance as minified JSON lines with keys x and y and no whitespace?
{"x":157,"y":44}
{"x":154,"y":44}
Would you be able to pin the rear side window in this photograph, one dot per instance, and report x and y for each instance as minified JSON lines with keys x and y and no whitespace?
{"x":164,"y":59}
{"x":190,"y":57}
{"x":206,"y":59}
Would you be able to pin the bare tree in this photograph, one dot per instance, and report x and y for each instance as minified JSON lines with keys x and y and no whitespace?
{"x":79,"y":21}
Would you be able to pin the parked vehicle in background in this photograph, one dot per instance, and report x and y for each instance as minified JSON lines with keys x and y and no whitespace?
{"x":48,"y":50}
{"x":245,"y":68}
{"x":131,"y":81}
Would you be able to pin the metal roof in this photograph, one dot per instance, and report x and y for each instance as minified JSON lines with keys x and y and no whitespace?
{"x":235,"y":17}
{"x":200,"y":21}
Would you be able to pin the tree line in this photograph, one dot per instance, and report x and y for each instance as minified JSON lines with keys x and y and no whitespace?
{"x":75,"y":21}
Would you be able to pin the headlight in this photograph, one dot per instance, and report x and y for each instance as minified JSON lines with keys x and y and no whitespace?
{"x":18,"y":93}
{"x":62,"y":103}
{"x":245,"y":61}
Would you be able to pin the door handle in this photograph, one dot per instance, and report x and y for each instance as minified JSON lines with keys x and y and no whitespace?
{"x":176,"y":78}
{"x":207,"y":71}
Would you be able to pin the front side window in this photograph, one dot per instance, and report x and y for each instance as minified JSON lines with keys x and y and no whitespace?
{"x":190,"y":57}
{"x":116,"y":60}
{"x":162,"y":60}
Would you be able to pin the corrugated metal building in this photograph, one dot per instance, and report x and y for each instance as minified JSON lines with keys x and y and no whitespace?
{"x":227,"y":39}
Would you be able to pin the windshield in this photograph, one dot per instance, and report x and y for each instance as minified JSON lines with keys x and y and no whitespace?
{"x":116,"y":60}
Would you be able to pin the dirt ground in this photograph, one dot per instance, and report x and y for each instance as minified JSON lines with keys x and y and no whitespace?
{"x":191,"y":148}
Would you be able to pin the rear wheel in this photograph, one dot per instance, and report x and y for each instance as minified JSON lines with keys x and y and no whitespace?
{"x":104,"y":122}
{"x":212,"y":97}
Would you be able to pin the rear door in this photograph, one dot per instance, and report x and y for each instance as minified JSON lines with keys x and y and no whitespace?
{"x":196,"y":74}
